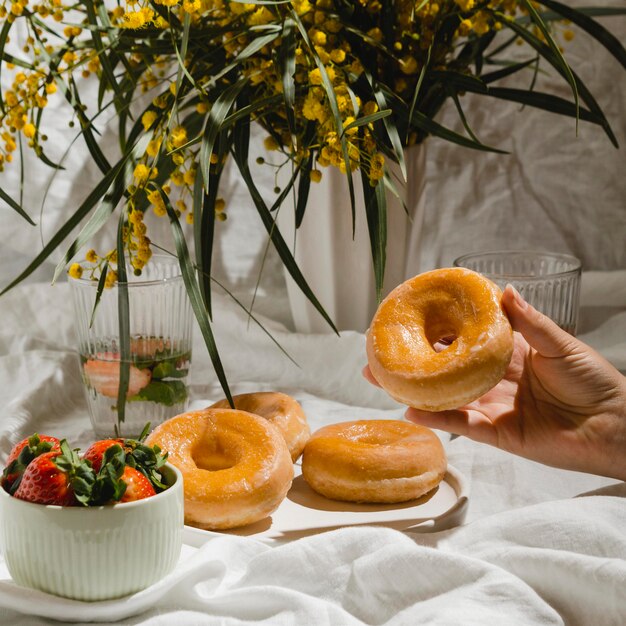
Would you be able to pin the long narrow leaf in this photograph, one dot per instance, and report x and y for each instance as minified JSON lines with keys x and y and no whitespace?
{"x":596,"y":30}
{"x":304,"y":183}
{"x":253,"y":47}
{"x":376,"y":212}
{"x":546,"y":53}
{"x":15,"y":206}
{"x":492,"y":77}
{"x":459,"y":108}
{"x":107,"y":69}
{"x":195,"y":297}
{"x":545,"y":101}
{"x":123,"y":312}
{"x":99,"y":190}
{"x":98,"y":219}
{"x":367,"y":119}
{"x":214,"y":122}
{"x":242,"y":140}
{"x":561,"y":63}
{"x":430,"y":126}
{"x":100,"y":288}
{"x":287,"y":61}
{"x":4,"y":35}
{"x":390,"y":126}
{"x":334,"y":107}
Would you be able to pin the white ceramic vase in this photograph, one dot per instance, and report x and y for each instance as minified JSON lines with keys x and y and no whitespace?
{"x":339,"y":268}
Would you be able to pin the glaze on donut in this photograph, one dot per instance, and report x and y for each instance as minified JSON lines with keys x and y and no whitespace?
{"x":455,"y":304}
{"x":236,"y":466}
{"x":374,"y":461}
{"x":281,"y":410}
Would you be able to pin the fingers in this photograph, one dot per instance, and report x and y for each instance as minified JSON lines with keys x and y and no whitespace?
{"x":540,"y":331}
{"x":453,"y":421}
{"x":367,"y":374}
{"x":467,"y":422}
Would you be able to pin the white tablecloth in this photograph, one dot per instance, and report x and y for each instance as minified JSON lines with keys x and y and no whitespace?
{"x":539,"y":545}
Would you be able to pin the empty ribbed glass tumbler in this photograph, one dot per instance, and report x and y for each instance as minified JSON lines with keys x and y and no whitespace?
{"x":160,"y":347}
{"x":549,"y":281}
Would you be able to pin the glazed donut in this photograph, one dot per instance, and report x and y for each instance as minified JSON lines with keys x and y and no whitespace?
{"x":281,"y":410}
{"x":457,"y":305}
{"x":236,"y":466}
{"x":373,"y":461}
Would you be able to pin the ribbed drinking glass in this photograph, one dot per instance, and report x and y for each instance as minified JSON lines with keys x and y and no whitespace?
{"x":547,"y":280}
{"x":160,"y":347}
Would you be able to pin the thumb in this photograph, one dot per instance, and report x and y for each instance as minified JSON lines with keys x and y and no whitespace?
{"x":540,"y":331}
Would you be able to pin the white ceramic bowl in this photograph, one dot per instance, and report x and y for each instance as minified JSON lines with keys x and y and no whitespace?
{"x":93,"y":553}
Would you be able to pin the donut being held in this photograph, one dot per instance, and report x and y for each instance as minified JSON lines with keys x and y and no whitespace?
{"x":281,"y":410}
{"x":375,"y":461}
{"x":456,"y":305}
{"x":236,"y":466}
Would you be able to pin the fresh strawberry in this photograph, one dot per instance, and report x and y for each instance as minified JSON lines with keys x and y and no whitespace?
{"x":138,"y":486}
{"x":95,"y":452}
{"x":104,"y":376}
{"x":148,"y":460}
{"x":22,"y":454}
{"x":57,"y":477}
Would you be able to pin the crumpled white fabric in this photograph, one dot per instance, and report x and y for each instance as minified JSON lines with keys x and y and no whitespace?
{"x":560,"y":562}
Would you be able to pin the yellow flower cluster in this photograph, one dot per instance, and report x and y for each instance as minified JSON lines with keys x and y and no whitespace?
{"x":340,"y":50}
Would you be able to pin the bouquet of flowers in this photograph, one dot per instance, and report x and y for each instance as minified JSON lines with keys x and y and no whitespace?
{"x":333,"y":83}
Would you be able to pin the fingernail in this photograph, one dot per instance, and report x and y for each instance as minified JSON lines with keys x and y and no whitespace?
{"x":521,"y":303}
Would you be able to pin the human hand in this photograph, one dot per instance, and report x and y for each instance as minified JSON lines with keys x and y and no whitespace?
{"x":559,"y":403}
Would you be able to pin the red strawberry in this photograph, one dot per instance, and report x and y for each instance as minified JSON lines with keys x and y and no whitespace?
{"x":22,"y":454}
{"x":138,"y":486}
{"x":57,"y":477}
{"x":95,"y":451}
{"x":45,"y":483}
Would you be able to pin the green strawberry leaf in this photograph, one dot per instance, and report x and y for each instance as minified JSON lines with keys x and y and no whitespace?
{"x":108,"y":486}
{"x":80,"y":474}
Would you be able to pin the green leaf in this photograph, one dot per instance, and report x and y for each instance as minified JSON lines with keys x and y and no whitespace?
{"x":596,"y":30}
{"x":101,"y":283}
{"x":430,"y":126}
{"x":560,"y":62}
{"x":334,"y":107}
{"x":72,"y":96}
{"x":123,"y":311}
{"x":389,"y":123}
{"x":214,"y":122}
{"x":242,"y":140}
{"x":459,"y":81}
{"x":167,"y":393}
{"x":84,"y":209}
{"x":492,"y":77}
{"x":367,"y":119}
{"x":304,"y":186}
{"x":193,"y":291}
{"x":252,"y":48}
{"x":107,"y":70}
{"x":98,"y":219}
{"x":545,"y":101}
{"x":182,"y":54}
{"x":287,"y":64}
{"x":15,"y":206}
{"x":459,"y":108}
{"x":546,"y":53}
{"x":418,"y":88}
{"x":376,"y":212}
{"x":168,"y":369}
{"x":4,"y":36}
